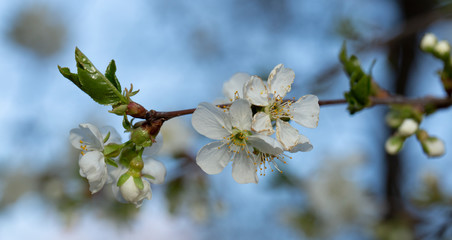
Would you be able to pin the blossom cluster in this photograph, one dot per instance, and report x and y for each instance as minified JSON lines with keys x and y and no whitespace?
{"x":253,"y":131}
{"x":130,"y":179}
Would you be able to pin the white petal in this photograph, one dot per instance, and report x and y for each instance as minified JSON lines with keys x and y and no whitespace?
{"x":155,"y":169}
{"x":154,"y":148}
{"x":241,"y":114}
{"x":304,"y":145}
{"x":265,"y":144}
{"x":287,"y":135}
{"x":305,"y":111}
{"x":256,"y":91}
{"x":235,"y":85}
{"x":89,"y":135}
{"x":211,"y":121}
{"x":114,"y":135}
{"x":243,"y":168}
{"x":213,"y":157}
{"x":93,"y":166}
{"x":262,"y":124}
{"x":280,"y":80}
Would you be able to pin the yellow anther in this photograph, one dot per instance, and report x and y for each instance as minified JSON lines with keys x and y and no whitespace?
{"x":81,"y":141}
{"x":83,"y":154}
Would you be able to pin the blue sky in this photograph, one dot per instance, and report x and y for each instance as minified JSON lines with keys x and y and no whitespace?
{"x":179,"y":53}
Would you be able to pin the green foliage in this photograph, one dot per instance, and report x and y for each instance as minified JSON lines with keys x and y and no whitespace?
{"x":123,"y":179}
{"x":360,"y":82}
{"x":104,"y":89}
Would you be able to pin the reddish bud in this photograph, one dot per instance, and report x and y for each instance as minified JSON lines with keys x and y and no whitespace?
{"x":136,"y":110}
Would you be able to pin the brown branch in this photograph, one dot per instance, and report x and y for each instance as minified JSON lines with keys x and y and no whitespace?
{"x":434,"y":102}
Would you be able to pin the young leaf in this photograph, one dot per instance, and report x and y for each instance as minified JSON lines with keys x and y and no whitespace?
{"x":111,"y":76}
{"x":94,"y":83}
{"x":103,"y":90}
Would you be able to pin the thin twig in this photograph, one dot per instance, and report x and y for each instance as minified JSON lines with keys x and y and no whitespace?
{"x":421,"y":102}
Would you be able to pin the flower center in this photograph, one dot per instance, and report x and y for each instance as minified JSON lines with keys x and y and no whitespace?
{"x":83,"y":147}
{"x":279,"y":109}
{"x":239,"y":137}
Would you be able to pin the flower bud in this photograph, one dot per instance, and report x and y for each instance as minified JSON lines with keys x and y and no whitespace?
{"x":428,"y":42}
{"x":119,"y":110}
{"x":141,"y":137}
{"x":433,"y":147}
{"x":394,"y":144}
{"x":442,"y":49}
{"x":408,"y":127}
{"x":136,"y":110}
{"x":131,"y":193}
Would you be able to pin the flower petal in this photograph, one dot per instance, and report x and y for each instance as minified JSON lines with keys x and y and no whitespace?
{"x":89,"y":135}
{"x":243,"y":168}
{"x":241,"y":114}
{"x":305,"y":111}
{"x":93,"y":167}
{"x":262,"y":124}
{"x":287,"y":135}
{"x":280,"y":81}
{"x":235,"y":85}
{"x":211,"y":121}
{"x":256,"y":91}
{"x":265,"y":144}
{"x":304,"y":145}
{"x":155,"y":169}
{"x":213,"y":157}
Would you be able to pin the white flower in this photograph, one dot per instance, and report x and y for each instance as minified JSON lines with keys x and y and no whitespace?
{"x":394,"y":144}
{"x":442,"y":48}
{"x":305,"y":111}
{"x":235,"y":141}
{"x":408,"y":127}
{"x":433,"y":146}
{"x":128,"y":192}
{"x":90,"y":140}
{"x":233,"y":88}
{"x":336,"y":199}
{"x":428,"y":42}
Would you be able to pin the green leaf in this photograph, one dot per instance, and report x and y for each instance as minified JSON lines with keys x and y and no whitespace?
{"x":111,"y":162}
{"x":122,"y":179}
{"x":126,"y":124}
{"x":138,"y":182}
{"x":107,"y":137}
{"x":112,"y":149}
{"x":94,"y":83}
{"x":127,"y":154}
{"x":111,"y":76}
{"x":149,"y":176}
{"x":66,"y":72}
{"x":103,"y":90}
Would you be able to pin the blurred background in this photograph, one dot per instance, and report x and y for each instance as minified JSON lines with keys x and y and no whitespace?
{"x":179,"y":53}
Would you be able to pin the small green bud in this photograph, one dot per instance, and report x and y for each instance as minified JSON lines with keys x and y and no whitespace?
{"x":136,"y":164}
{"x":119,"y":110}
{"x":141,"y":137}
